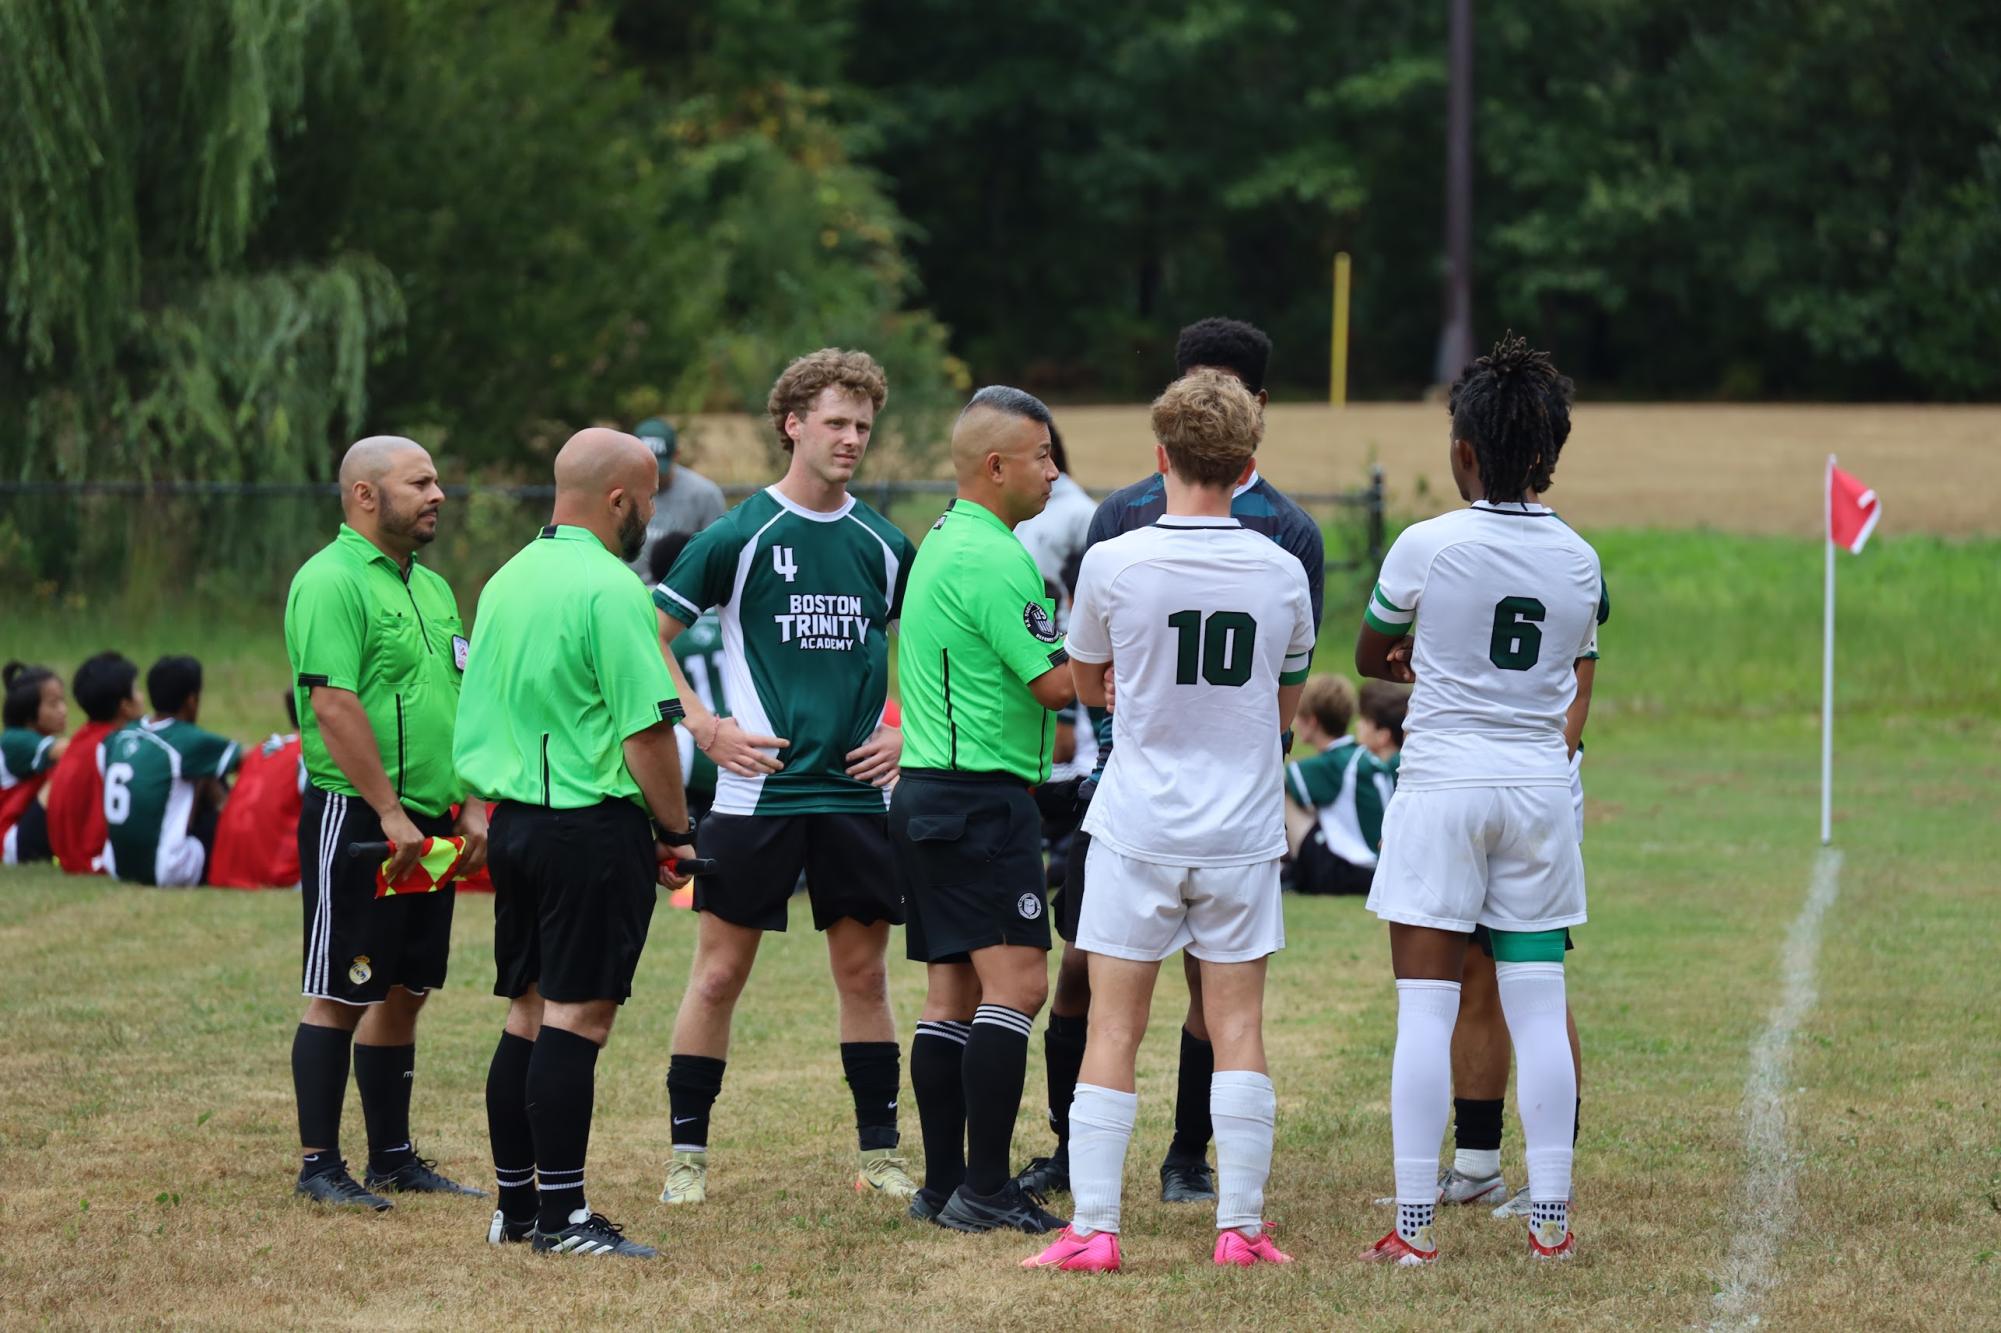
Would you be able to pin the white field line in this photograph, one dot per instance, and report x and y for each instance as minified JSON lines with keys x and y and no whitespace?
{"x":1770,"y":1191}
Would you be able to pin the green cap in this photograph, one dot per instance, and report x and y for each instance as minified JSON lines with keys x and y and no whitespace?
{"x":660,"y":437}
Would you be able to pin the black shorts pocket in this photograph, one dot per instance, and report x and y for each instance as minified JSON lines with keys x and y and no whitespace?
{"x":936,"y":828}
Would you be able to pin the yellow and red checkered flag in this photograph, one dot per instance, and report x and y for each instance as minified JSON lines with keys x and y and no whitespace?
{"x":436,"y":865}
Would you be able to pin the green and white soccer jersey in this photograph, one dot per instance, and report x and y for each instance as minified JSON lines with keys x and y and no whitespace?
{"x":24,"y":753}
{"x":804,"y":601}
{"x":150,"y":771}
{"x":1347,"y":788}
{"x":1503,"y":600}
{"x":699,"y":650}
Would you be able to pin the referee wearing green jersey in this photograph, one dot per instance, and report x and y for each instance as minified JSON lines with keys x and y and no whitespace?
{"x":982,"y":667}
{"x":567,"y":721}
{"x":376,"y":651}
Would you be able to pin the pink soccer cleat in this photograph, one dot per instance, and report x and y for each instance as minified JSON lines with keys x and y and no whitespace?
{"x":1234,"y":1251}
{"x":1095,"y":1253}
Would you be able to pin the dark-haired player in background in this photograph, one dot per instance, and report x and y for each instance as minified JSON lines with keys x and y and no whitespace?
{"x":1503,"y":599}
{"x":106,"y":688}
{"x":37,"y":714}
{"x":163,"y":784}
{"x":1242,"y":350}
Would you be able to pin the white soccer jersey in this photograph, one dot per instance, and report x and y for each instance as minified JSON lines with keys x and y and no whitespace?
{"x":1504,"y":600}
{"x":1202,"y":621}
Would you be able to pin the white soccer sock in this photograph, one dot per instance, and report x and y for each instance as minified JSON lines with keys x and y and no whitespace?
{"x":1545,"y":1078}
{"x":1101,"y":1125}
{"x":1244,"y":1109}
{"x":1478,"y":1163}
{"x":1421,"y":1090}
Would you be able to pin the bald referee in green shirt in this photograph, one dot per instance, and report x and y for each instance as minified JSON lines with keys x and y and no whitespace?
{"x":376,"y":650}
{"x":982,"y":667}
{"x":567,"y":720}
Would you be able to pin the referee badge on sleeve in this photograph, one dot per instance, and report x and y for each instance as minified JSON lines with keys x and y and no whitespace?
{"x":1039,"y":624}
{"x":461,"y":649}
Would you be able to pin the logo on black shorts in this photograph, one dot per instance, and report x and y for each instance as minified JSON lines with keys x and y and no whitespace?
{"x":359,"y":972}
{"x":1029,"y":905}
{"x":1038,"y":622}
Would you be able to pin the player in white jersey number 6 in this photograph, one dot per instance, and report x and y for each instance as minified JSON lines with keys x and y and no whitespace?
{"x":1210,"y":629}
{"x":1503,"y":599}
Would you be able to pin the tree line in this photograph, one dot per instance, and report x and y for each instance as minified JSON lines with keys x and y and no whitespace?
{"x":235,"y":233}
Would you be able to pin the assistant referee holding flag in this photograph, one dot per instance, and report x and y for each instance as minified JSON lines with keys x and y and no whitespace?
{"x":376,"y":651}
{"x":567,"y":720}
{"x":982,"y":666}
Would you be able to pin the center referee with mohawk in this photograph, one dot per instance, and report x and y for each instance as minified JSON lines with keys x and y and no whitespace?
{"x":566,"y":718}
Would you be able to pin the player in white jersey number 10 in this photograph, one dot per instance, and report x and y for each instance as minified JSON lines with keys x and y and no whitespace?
{"x":1498,"y":600}
{"x":1209,"y":628}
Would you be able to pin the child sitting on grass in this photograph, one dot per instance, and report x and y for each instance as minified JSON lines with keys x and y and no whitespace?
{"x":36,"y":715}
{"x":1335,"y":798}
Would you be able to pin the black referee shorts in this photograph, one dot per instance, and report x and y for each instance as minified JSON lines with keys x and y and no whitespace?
{"x":573,"y":896}
{"x":846,"y":858}
{"x":357,"y":945}
{"x":970,"y":849}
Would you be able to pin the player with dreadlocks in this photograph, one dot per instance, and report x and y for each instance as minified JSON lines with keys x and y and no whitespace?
{"x":1499,"y":600}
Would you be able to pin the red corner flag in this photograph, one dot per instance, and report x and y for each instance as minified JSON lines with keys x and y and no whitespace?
{"x":1852,"y":511}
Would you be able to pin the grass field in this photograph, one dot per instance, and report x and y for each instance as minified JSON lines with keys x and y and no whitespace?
{"x":146,"y":1131}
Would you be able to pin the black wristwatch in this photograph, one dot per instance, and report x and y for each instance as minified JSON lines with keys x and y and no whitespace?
{"x":685,"y":838}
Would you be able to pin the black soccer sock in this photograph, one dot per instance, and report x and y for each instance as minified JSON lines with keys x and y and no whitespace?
{"x":507,"y":1127}
{"x":383,"y":1076}
{"x":875,"y":1073}
{"x":562,"y":1075}
{"x":319,"y":1082}
{"x":996,"y":1065}
{"x":937,"y":1079}
{"x":1063,"y":1052}
{"x":1192,"y":1129}
{"x":1476,"y":1124}
{"x":693,"y":1081}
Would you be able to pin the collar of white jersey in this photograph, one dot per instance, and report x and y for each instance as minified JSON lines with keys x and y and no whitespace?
{"x":1249,"y":482}
{"x":790,"y":505}
{"x":1514,"y":509}
{"x":1195,"y":522}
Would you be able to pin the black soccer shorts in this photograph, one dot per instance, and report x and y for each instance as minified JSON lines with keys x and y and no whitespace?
{"x":357,"y":945}
{"x":849,"y":867}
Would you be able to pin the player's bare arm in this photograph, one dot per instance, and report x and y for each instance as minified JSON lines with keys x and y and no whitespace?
{"x":1375,"y":656}
{"x":654,"y":761}
{"x":1580,"y":707}
{"x":722,"y":739}
{"x":1288,"y":705}
{"x":1093,"y":683}
{"x":351,"y":743}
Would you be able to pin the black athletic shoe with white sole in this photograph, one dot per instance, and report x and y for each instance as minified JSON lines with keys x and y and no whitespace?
{"x":1186,"y":1180}
{"x":596,"y":1234}
{"x":419,"y":1175}
{"x":1046,"y":1175}
{"x":1013,"y":1209}
{"x":335,"y":1188}
{"x":503,"y":1230}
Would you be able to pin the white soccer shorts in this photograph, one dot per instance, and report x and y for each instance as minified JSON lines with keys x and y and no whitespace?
{"x":1144,"y":911}
{"x":1502,"y":857}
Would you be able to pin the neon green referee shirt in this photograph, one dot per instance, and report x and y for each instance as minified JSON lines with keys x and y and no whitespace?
{"x":565,"y":665}
{"x":358,"y":621}
{"x":977,"y":627}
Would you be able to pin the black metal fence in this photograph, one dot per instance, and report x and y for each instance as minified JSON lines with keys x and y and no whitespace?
{"x":228,"y":549}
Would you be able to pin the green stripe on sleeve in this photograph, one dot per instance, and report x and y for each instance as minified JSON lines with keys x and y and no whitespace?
{"x":1381,"y":626}
{"x":1295,"y":677}
{"x":1386,"y":603}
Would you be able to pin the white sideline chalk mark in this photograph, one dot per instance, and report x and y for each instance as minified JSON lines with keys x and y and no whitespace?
{"x":1770,"y":1189}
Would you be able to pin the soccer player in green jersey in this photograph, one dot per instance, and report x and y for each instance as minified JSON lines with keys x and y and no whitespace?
{"x":37,"y":715}
{"x":1334,"y":797}
{"x":805,"y":580}
{"x":163,"y":779}
{"x":698,"y":650}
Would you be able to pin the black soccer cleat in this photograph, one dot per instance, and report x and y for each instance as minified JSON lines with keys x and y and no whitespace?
{"x":503,"y":1230}
{"x":1044,"y":1176}
{"x":418,"y":1175}
{"x":926,"y":1204}
{"x":1186,"y":1180}
{"x":335,"y":1188}
{"x":596,"y":1234}
{"x":1013,"y":1209}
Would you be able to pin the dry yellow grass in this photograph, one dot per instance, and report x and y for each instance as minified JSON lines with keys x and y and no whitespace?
{"x":1734,"y":468}
{"x":146,"y":1127}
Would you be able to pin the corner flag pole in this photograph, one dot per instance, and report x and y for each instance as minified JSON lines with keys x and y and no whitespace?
{"x":1827,"y":663}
